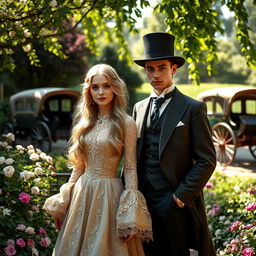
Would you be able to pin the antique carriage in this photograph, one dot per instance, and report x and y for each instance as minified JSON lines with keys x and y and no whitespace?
{"x":232,"y":115}
{"x":44,"y":115}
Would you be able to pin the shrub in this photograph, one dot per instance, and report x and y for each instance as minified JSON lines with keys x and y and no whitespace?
{"x":25,"y":229}
{"x":231,"y":207}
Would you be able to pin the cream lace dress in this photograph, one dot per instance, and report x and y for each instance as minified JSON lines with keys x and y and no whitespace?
{"x":99,"y":208}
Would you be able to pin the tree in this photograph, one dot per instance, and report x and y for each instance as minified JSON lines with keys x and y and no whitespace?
{"x":195,"y":23}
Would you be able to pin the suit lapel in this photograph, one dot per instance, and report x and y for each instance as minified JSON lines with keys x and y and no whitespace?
{"x":141,"y":116}
{"x":174,"y":112}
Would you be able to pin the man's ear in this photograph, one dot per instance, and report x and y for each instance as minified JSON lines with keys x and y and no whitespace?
{"x":174,"y":68}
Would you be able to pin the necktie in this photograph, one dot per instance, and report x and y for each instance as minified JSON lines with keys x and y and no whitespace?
{"x":157,"y":103}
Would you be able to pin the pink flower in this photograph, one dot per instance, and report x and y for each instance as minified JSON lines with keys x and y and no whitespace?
{"x":42,"y":232}
{"x":251,"y":190}
{"x":235,"y":225}
{"x":43,"y":242}
{"x":31,"y":243}
{"x":24,"y":198}
{"x":21,"y":227}
{"x":251,"y":207}
{"x":209,"y":185}
{"x":248,"y":226}
{"x":10,"y":242}
{"x":248,"y":252}
{"x":50,"y":167}
{"x":20,"y":242}
{"x":10,"y":250}
{"x":216,"y":208}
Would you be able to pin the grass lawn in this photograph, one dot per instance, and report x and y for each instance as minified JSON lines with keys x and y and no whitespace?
{"x":188,"y":89}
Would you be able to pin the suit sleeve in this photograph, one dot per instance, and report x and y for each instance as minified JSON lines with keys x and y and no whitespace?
{"x":204,"y":157}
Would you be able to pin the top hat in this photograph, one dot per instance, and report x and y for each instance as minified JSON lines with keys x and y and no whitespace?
{"x":159,"y":46}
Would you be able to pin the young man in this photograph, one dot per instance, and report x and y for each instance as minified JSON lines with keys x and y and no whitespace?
{"x":176,"y":156}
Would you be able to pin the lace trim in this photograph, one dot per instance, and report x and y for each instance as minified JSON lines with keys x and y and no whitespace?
{"x":144,"y":233}
{"x":131,"y":180}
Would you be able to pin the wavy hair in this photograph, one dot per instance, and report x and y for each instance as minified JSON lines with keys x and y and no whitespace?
{"x":87,"y":111}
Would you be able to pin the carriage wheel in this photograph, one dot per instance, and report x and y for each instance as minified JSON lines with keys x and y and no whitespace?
{"x":224,"y":142}
{"x":253,"y":151}
{"x":41,"y":137}
{"x":8,"y":127}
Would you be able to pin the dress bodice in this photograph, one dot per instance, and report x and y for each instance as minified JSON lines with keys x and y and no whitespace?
{"x":101,"y":158}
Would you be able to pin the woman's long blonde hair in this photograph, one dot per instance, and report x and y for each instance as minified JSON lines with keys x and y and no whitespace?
{"x":87,"y":111}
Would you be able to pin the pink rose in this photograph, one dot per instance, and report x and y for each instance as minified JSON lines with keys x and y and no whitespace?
{"x":248,"y":252}
{"x":251,"y":190}
{"x":209,"y":185}
{"x":51,"y":167}
{"x":10,"y":250}
{"x":235,"y":225}
{"x":248,"y":226}
{"x":21,"y":227}
{"x":43,"y":242}
{"x":20,"y":242}
{"x":24,"y":198}
{"x":42,"y":232}
{"x":251,"y":207}
{"x":31,"y":243}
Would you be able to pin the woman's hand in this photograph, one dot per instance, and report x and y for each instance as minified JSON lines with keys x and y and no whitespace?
{"x":57,"y":223}
{"x":128,"y":238}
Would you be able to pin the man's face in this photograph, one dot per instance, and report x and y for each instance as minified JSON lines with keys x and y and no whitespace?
{"x":159,"y":73}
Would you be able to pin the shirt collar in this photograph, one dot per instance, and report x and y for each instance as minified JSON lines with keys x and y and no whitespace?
{"x":166,"y":90}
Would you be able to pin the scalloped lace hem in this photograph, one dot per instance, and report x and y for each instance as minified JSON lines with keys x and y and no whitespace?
{"x":145,"y":234}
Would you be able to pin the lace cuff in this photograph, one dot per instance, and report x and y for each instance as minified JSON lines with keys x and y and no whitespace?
{"x":133,"y":217}
{"x":57,"y":205}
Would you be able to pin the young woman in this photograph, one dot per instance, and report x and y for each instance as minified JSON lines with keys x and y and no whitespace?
{"x":96,"y":215}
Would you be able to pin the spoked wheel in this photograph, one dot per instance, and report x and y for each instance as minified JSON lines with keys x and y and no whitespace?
{"x":41,"y":137}
{"x":8,"y":128}
{"x":224,"y":142}
{"x":253,"y":151}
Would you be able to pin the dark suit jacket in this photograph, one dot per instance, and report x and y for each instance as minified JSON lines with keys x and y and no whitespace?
{"x":187,"y":157}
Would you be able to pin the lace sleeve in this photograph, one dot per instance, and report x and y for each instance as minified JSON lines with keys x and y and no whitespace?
{"x":132,"y":215}
{"x":129,"y":169}
{"x":57,"y":205}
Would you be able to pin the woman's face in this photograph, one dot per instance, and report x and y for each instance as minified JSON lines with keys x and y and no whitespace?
{"x":101,"y":91}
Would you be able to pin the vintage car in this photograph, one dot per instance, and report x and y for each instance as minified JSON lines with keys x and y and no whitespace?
{"x":44,"y":115}
{"x":232,"y":115}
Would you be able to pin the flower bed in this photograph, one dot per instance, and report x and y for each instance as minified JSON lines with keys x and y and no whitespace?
{"x":25,"y":229}
{"x":231,"y":208}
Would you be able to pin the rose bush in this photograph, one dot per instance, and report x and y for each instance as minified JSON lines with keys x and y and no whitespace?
{"x":25,"y":229}
{"x":231,"y":208}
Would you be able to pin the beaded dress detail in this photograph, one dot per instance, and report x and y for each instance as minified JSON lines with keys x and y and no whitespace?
{"x":99,"y":207}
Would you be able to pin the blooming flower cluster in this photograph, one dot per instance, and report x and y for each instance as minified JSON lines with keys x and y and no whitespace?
{"x":25,"y":229}
{"x":231,"y":208}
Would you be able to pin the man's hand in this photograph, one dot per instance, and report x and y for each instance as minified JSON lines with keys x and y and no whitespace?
{"x":178,"y":201}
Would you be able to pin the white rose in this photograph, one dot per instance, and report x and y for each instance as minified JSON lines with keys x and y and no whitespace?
{"x":11,"y":136}
{"x":9,"y":147}
{"x":53,"y":3}
{"x":20,"y":148}
{"x":35,"y":190}
{"x":2,"y":159}
{"x":30,"y":147}
{"x":12,"y":33}
{"x":4,"y":144}
{"x":42,"y":155}
{"x":37,"y":181}
{"x":38,"y":171}
{"x":38,"y":151}
{"x":48,"y":240}
{"x":30,"y":230}
{"x":31,"y":151}
{"x":38,"y":164}
{"x":8,"y":171}
{"x":27,"y":48}
{"x":34,"y":157}
{"x":26,"y":175}
{"x":35,"y":251}
{"x":49,"y":159}
{"x":9,"y":161}
{"x":6,"y":211}
{"x":27,"y":33}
